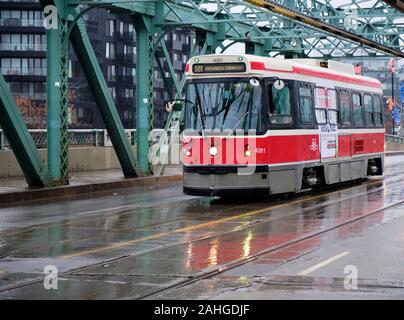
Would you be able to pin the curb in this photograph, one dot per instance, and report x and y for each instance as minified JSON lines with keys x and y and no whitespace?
{"x":394,"y":153}
{"x":68,"y":191}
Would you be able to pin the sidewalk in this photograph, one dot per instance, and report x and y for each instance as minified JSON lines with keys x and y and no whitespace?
{"x":15,"y":190}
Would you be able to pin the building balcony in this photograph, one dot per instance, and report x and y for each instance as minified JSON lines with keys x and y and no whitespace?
{"x":33,"y":96}
{"x":6,"y":71}
{"x":22,"y":47}
{"x":128,"y":79}
{"x":37,"y":1}
{"x":15,"y":22}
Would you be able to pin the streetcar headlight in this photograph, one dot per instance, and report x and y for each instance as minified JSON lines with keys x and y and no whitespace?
{"x":213,"y":151}
{"x":188,"y":153}
{"x":247,"y":151}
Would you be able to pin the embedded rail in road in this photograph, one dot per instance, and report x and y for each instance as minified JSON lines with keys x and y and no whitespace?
{"x":158,"y":243}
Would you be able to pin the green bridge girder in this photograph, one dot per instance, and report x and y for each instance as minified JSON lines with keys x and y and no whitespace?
{"x":20,"y":140}
{"x":241,"y":21}
{"x":75,"y":31}
{"x":291,"y":28}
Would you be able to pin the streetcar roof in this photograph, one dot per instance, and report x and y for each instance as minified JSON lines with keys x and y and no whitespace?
{"x":327,"y":73}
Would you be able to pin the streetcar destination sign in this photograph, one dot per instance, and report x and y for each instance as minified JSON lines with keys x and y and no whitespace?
{"x":219,"y":67}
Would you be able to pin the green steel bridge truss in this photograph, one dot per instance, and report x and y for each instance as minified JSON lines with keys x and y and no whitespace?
{"x":302,"y":28}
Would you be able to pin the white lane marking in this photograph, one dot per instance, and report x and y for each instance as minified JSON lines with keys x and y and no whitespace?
{"x":323,"y":264}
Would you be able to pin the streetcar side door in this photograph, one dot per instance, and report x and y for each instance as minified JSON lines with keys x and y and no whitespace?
{"x":345,"y":122}
{"x":327,"y":121}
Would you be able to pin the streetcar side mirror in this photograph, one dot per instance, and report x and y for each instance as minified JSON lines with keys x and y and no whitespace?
{"x":173,"y":104}
{"x":169,"y":105}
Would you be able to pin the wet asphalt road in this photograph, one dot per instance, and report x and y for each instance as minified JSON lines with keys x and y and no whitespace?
{"x":145,"y":243}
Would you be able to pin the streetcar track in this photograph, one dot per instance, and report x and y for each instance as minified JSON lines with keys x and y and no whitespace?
{"x":237,"y":263}
{"x":309,"y":283}
{"x":89,"y":215}
{"x":232,"y":264}
{"x":197,"y":226}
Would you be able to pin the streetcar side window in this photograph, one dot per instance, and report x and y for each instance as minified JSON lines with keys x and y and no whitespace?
{"x":367,"y":100}
{"x":357,"y":109}
{"x":280,"y":108}
{"x":377,"y":111}
{"x":321,"y":95}
{"x":344,"y":108}
{"x":306,"y":104}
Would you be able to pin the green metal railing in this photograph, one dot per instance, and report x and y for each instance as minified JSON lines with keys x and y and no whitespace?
{"x":394,"y":139}
{"x":76,"y":138}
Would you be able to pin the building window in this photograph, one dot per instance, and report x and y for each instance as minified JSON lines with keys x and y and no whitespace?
{"x":111,"y":28}
{"x":121,"y":26}
{"x":112,"y":90}
{"x":131,"y":33}
{"x":111,"y":76}
{"x":110,"y":50}
{"x":129,"y":93}
{"x":129,"y":52}
{"x":23,"y":66}
{"x":128,"y":114}
{"x":21,"y":18}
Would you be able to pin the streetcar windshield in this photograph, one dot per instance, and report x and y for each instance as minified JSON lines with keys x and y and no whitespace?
{"x":223,"y":106}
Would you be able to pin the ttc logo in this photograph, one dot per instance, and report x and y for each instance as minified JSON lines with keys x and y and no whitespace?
{"x":314,"y":145}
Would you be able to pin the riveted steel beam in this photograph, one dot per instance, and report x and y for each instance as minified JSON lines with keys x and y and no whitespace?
{"x":96,"y":81}
{"x":20,"y":140}
{"x":92,"y":71}
{"x":398,"y":4}
{"x":318,"y":24}
{"x":144,"y":88}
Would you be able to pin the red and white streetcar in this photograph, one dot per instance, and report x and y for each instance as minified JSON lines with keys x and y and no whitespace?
{"x":261,"y":126}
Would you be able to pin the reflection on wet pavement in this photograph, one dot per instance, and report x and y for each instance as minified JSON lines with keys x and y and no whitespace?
{"x":132,"y":245}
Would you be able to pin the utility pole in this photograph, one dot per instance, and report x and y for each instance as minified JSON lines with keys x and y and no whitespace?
{"x":392,"y":97}
{"x":392,"y":69}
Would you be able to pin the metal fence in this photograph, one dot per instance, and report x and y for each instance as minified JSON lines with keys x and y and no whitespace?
{"x":77,"y":138}
{"x":395,"y":139}
{"x":100,"y":138}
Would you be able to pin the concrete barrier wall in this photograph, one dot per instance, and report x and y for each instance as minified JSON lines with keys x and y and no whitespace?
{"x":93,"y":158}
{"x":391,"y":146}
{"x":80,"y":160}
